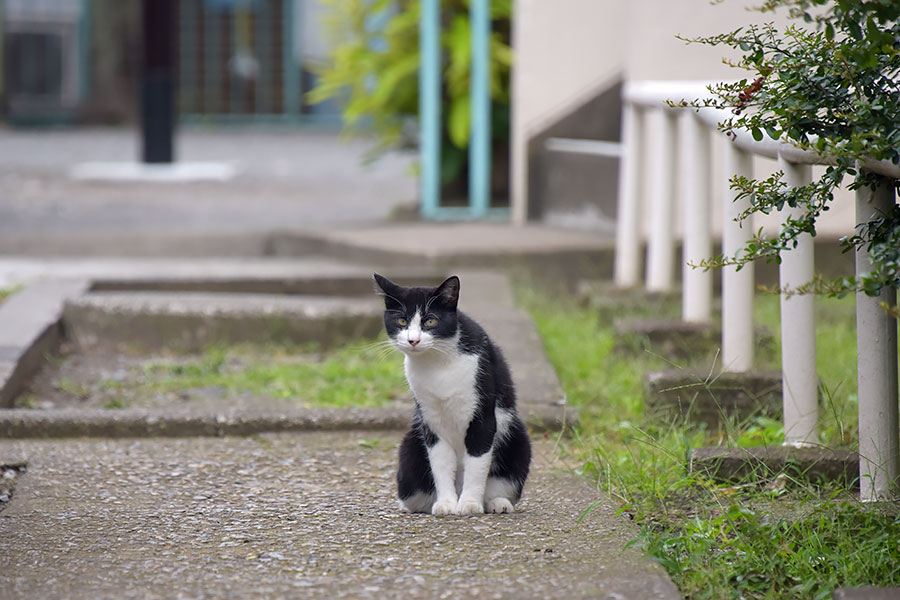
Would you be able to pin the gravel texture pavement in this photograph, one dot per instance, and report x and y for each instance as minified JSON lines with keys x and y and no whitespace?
{"x":310,"y":515}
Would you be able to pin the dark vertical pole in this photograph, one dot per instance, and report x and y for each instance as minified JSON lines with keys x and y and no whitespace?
{"x":158,"y":81}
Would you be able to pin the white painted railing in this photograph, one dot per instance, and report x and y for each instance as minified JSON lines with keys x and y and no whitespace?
{"x":681,"y":139}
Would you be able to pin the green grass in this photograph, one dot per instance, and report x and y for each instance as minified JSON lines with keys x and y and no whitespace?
{"x":348,"y":376}
{"x":770,"y":537}
{"x":747,"y":553}
{"x":835,"y":363}
{"x":7,"y":292}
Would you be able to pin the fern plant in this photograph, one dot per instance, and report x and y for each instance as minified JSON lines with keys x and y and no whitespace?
{"x":372,"y":71}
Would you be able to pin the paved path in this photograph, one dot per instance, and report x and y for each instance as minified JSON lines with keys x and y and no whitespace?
{"x":289,"y":515}
{"x":287,"y":179}
{"x":308,"y":515}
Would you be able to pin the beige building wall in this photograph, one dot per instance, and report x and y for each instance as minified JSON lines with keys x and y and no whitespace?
{"x":654,"y":51}
{"x":567,"y":51}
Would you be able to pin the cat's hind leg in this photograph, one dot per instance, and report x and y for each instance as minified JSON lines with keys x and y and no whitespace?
{"x":512,"y":459}
{"x":415,"y":483}
{"x":419,"y":502}
{"x":500,"y":494}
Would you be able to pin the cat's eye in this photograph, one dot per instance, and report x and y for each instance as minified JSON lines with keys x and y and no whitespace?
{"x":430,"y":322}
{"x":401,"y":322}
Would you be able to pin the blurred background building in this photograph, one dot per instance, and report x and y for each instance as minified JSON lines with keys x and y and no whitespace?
{"x":252,"y":61}
{"x":77,"y":61}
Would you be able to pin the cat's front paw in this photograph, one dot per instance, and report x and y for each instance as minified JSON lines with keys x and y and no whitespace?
{"x":444,"y":507}
{"x":469,"y":507}
{"x":498,"y":506}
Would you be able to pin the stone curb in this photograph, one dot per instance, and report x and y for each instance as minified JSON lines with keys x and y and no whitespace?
{"x":735,"y":464}
{"x":124,"y":423}
{"x":29,"y":330}
{"x":99,"y":314}
{"x":690,"y":394}
{"x":191,"y":322}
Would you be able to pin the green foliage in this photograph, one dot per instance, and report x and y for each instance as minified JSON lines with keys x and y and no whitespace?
{"x":770,"y":536}
{"x":828,"y":85}
{"x":348,"y":376}
{"x":373,"y":71}
{"x":7,"y":292}
{"x":750,"y":553}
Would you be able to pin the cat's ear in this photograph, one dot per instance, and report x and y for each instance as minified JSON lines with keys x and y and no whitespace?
{"x":387,"y":288}
{"x":448,"y":292}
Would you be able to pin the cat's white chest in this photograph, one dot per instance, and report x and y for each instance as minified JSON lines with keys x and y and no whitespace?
{"x":445,"y":389}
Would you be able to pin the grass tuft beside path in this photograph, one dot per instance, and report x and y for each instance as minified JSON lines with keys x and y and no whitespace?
{"x":770,"y":536}
{"x":353,"y":375}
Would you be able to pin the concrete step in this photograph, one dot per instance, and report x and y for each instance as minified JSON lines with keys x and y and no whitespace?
{"x":192,"y":321}
{"x":186,"y":311}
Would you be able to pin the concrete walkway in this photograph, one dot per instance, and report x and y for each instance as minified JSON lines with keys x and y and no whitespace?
{"x":294,"y":516}
{"x":285,"y":179}
{"x":302,"y":514}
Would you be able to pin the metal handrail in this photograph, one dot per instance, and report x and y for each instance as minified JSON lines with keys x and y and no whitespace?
{"x":646,"y":107}
{"x":657,"y":94}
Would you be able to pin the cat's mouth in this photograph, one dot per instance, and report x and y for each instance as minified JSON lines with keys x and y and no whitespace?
{"x":417,"y":348}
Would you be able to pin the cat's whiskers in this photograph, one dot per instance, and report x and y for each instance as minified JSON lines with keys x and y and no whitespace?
{"x":374,"y":345}
{"x":379,"y":350}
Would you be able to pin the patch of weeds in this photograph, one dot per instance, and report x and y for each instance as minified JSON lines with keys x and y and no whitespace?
{"x":368,"y":444}
{"x":25,"y":401}
{"x":768,"y":536}
{"x":604,"y":384}
{"x":347,"y":376}
{"x":262,"y":441}
{"x":748,"y":553}
{"x":115,"y":403}
{"x":835,"y":362}
{"x":74,"y":388}
{"x":8,"y":291}
{"x":760,"y":431}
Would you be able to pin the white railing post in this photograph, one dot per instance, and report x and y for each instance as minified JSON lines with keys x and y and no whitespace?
{"x":628,"y":219}
{"x":697,"y":284}
{"x":737,"y":286}
{"x":661,"y":244}
{"x":798,"y":328}
{"x":876,"y":349}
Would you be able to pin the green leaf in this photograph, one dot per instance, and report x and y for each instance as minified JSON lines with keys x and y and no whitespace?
{"x":459,"y":120}
{"x":757,"y":134}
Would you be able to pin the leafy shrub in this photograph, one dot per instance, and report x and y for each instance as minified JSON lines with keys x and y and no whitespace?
{"x":373,"y":71}
{"x":828,"y":85}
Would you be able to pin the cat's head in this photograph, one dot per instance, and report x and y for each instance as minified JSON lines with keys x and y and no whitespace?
{"x":419,"y":319}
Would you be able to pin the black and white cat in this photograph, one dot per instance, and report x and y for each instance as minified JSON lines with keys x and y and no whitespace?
{"x":467,"y":451}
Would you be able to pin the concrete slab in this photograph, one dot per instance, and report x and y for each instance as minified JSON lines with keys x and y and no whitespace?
{"x":296,"y":515}
{"x":811,"y":464}
{"x":194,"y":321}
{"x":675,"y":340}
{"x":553,"y":252}
{"x":169,"y":273}
{"x":287,"y":178}
{"x":189,"y":320}
{"x":225,"y":419}
{"x":135,"y":172}
{"x":704,"y":397}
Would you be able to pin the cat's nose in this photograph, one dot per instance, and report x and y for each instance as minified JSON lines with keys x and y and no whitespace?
{"x":414,"y":343}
